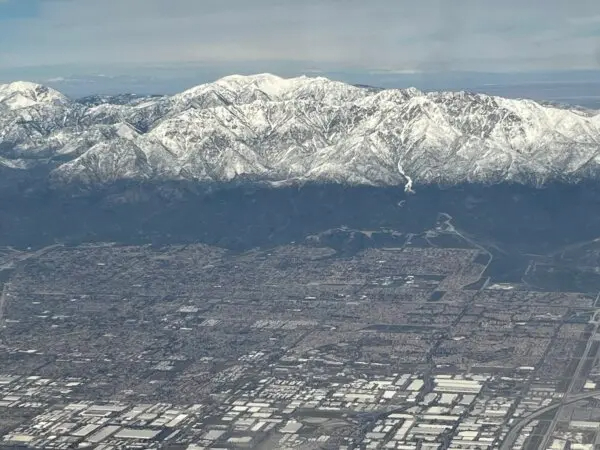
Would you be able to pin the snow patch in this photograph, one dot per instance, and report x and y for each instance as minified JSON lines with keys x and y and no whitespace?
{"x":276,"y":129}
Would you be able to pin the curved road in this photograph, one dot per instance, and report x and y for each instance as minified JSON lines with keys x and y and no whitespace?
{"x":513,"y":434}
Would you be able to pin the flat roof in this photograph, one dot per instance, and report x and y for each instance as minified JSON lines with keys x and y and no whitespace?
{"x":102,"y":434}
{"x":85,"y":430}
{"x":20,"y":438}
{"x":137,"y":433}
{"x":291,"y":427}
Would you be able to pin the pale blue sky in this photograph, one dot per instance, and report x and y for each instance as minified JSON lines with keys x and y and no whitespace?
{"x":178,"y":38}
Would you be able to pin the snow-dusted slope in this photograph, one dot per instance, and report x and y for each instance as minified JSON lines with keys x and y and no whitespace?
{"x":268,"y":128}
{"x":22,"y":94}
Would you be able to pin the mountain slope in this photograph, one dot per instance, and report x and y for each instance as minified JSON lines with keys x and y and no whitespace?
{"x":268,"y":128}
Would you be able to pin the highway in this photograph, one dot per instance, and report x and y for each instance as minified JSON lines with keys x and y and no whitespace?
{"x":576,"y":376}
{"x":513,"y":434}
{"x":3,"y":297}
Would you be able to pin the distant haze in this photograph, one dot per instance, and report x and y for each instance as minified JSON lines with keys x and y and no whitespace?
{"x":576,"y":88}
{"x":166,"y":45}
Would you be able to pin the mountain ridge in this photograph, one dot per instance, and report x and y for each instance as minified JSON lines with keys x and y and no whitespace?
{"x":276,"y":130}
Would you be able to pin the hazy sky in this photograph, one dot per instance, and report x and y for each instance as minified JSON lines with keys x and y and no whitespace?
{"x":61,"y":38}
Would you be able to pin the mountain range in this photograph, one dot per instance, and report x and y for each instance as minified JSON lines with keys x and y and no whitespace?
{"x":281,"y":131}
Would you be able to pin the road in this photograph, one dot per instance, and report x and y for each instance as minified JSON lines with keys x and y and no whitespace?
{"x":24,"y":256}
{"x":3,"y":297}
{"x":19,"y":258}
{"x":576,"y":377}
{"x":513,"y":434}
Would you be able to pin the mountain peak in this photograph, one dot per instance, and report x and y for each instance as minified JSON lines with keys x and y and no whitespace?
{"x":269,"y":128}
{"x":21,"y":86}
{"x":259,"y":77}
{"x":265,"y":86}
{"x":270,"y":84}
{"x":21,"y":94}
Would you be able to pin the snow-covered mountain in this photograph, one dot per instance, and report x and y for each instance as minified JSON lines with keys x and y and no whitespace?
{"x":267,"y":128}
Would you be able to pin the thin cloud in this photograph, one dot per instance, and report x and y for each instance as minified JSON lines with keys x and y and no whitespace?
{"x":586,"y":20}
{"x":397,"y":35}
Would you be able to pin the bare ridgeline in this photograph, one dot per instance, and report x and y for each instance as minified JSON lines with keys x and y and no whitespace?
{"x":194,"y":347}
